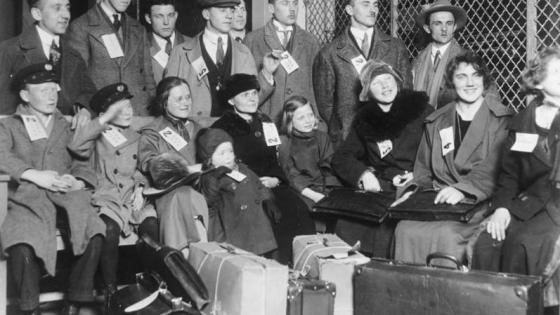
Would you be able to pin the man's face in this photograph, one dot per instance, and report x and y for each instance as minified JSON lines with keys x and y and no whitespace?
{"x":441,"y":27}
{"x":218,"y":19}
{"x":119,"y":5}
{"x":363,"y":13}
{"x":52,"y":15}
{"x":41,"y":97}
{"x":162,"y":18}
{"x":285,"y":11}
{"x":239,"y":17}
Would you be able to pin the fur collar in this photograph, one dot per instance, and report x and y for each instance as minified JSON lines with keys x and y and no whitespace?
{"x":372,"y":124}
{"x":236,"y":126}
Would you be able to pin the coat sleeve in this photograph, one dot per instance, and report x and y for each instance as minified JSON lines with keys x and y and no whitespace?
{"x":423,"y":176}
{"x":148,"y":71}
{"x":83,"y":142}
{"x":10,"y":163}
{"x":78,"y":39}
{"x":7,"y":63}
{"x":348,"y":159}
{"x":324,"y":83}
{"x":147,"y":150}
{"x":403,"y":64}
{"x":295,"y":178}
{"x":85,"y":83}
{"x":81,"y":169}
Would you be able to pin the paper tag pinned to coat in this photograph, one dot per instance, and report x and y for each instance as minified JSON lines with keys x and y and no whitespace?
{"x":359,"y":63}
{"x":447,"y":140}
{"x":200,"y":67}
{"x":525,"y":142}
{"x":173,"y":138}
{"x":237,"y":176}
{"x":271,"y":135}
{"x":114,"y":137}
{"x":385,"y":147}
{"x":34,"y":127}
{"x":112,"y":45}
{"x":162,"y":58}
{"x":288,"y":62}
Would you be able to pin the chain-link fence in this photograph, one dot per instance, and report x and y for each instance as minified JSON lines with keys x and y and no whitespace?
{"x":505,"y":33}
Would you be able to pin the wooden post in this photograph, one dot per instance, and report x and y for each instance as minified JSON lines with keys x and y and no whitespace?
{"x":531,"y":34}
{"x":395,"y":18}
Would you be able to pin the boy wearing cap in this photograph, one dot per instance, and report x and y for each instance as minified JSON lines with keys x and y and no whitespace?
{"x":47,"y":182}
{"x":211,"y":57}
{"x":110,"y":142}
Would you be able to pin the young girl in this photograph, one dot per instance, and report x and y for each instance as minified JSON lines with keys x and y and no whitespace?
{"x":235,"y":195}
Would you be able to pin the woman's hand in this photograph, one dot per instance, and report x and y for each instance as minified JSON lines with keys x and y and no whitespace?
{"x":402,"y":180}
{"x":449,"y":195}
{"x":369,"y":182}
{"x":270,"y":182}
{"x":49,"y":180}
{"x":498,"y":223}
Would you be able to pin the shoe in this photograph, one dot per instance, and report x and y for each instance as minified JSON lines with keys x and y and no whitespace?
{"x":70,"y":309}
{"x":109,"y":291}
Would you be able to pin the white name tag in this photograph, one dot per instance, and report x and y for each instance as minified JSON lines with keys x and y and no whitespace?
{"x":34,"y":127}
{"x":162,"y":58}
{"x":525,"y":142}
{"x":200,"y":67}
{"x":288,"y":62}
{"x":237,"y":176}
{"x":173,"y":138}
{"x":359,"y":63}
{"x":385,"y":147}
{"x":271,"y":135}
{"x":114,"y":137}
{"x":447,"y":140}
{"x":112,"y":45}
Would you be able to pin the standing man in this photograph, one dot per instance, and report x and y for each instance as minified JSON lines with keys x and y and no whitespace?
{"x":298,"y":50}
{"x":337,"y":66}
{"x":42,"y":42}
{"x":162,"y":15}
{"x":211,"y":57}
{"x":116,"y":49}
{"x":239,"y":22}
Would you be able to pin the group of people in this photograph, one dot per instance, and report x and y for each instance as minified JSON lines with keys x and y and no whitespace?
{"x":233,"y":137}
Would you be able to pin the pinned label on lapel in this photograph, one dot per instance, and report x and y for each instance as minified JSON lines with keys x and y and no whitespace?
{"x":114,"y":137}
{"x":288,"y":62}
{"x":237,"y":176}
{"x":34,"y":127}
{"x":447,"y":141}
{"x":162,"y":58}
{"x":271,"y":135}
{"x":525,"y":142}
{"x":173,"y":138}
{"x":385,"y":147}
{"x":359,"y":63}
{"x":200,"y":67}
{"x":112,"y":45}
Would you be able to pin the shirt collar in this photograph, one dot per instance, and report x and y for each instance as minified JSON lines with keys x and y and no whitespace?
{"x":47,"y":38}
{"x":162,"y":41}
{"x":212,"y":37}
{"x":109,"y":11}
{"x":282,"y":28}
{"x":359,"y":34}
{"x":441,"y":49}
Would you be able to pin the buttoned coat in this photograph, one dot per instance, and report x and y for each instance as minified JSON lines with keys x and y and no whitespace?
{"x":134,"y":69}
{"x":32,"y":211}
{"x":181,"y":65}
{"x":303,"y":48}
{"x":26,"y":49}
{"x":336,"y":81}
{"x":157,"y":68}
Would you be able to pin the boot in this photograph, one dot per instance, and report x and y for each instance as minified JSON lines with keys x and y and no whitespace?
{"x":109,"y":291}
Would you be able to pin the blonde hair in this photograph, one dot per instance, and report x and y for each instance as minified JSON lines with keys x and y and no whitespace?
{"x":290,"y":106}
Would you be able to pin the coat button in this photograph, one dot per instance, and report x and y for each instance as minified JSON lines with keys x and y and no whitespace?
{"x":144,"y":89}
{"x":118,"y":152}
{"x":258,"y":134}
{"x":115,"y":171}
{"x":199,"y":113}
{"x":134,"y":156}
{"x":244,"y":207}
{"x":121,"y":186}
{"x":289,"y":91}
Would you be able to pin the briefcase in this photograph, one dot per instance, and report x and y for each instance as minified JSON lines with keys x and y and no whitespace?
{"x":356,"y":204}
{"x":392,"y":288}
{"x":420,"y":207}
{"x":310,"y":297}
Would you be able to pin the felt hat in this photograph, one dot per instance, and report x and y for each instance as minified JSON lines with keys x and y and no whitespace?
{"x":208,"y":140}
{"x":372,"y":69}
{"x":218,"y":3}
{"x":442,"y":5}
{"x":108,"y":96}
{"x":34,"y":74}
{"x":238,"y":83}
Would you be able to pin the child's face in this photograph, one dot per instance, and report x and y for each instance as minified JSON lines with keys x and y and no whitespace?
{"x":304,"y":119}
{"x":224,"y":156}
{"x":124,"y":117}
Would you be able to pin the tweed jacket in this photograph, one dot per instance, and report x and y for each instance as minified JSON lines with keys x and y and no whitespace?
{"x":26,"y":49}
{"x":336,"y":82}
{"x":181,"y":65}
{"x":134,"y":69}
{"x":32,"y":210}
{"x":157,"y":68}
{"x":303,"y":47}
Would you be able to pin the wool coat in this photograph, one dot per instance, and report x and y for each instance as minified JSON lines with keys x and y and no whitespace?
{"x":303,"y":47}
{"x":32,"y":210}
{"x":76,"y":87}
{"x":181,"y":65}
{"x":336,"y":81}
{"x":86,"y":35}
{"x":157,"y":68}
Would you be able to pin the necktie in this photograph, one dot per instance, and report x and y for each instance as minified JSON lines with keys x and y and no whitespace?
{"x":365,"y":45}
{"x":437,"y":59}
{"x":116,"y":22}
{"x":168,"y":46}
{"x":285,"y":37}
{"x":54,"y":53}
{"x":220,"y":51}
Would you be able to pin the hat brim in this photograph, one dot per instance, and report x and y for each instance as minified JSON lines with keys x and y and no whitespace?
{"x":152,"y":191}
{"x":459,"y":14}
{"x":230,"y":4}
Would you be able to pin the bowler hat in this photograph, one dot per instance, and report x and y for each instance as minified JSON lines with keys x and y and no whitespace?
{"x":108,"y":96}
{"x":34,"y":74}
{"x":442,"y":5}
{"x":218,"y":3}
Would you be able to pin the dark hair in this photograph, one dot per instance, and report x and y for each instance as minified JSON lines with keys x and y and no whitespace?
{"x":470,"y":58}
{"x":290,"y":106}
{"x":535,"y":70}
{"x":157,"y":107}
{"x":148,"y":4}
{"x":33,"y":3}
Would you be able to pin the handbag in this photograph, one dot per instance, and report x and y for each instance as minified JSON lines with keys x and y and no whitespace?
{"x":356,"y":204}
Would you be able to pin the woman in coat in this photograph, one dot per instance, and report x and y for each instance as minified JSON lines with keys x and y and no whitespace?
{"x":379,"y":152}
{"x":458,"y":157}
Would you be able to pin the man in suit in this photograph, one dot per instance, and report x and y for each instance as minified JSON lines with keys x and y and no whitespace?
{"x":116,"y":49}
{"x":282,"y":34}
{"x":162,"y":15}
{"x":337,"y":66}
{"x":45,"y":41}
{"x":211,"y":57}
{"x":239,"y":22}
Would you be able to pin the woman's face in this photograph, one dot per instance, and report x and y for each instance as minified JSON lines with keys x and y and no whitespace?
{"x":468,"y":83}
{"x":246,"y":102}
{"x":304,"y":119}
{"x":179,"y":102}
{"x":383,"y":88}
{"x":550,"y":85}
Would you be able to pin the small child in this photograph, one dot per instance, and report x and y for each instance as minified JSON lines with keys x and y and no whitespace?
{"x":236,"y":198}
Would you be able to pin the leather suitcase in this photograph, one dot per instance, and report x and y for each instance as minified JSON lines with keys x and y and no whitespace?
{"x":310,"y":297}
{"x":356,"y":204}
{"x":393,"y":288}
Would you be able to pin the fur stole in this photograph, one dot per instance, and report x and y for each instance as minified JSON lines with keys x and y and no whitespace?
{"x":236,"y":126}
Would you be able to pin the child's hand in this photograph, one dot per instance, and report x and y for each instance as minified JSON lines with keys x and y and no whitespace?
{"x":270,"y":182}
{"x":402,"y":180}
{"x":75,"y":184}
{"x":113,"y":111}
{"x":137,"y":199}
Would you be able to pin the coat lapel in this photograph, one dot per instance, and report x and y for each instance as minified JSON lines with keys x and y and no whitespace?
{"x":379,"y":45}
{"x":30,"y":44}
{"x":474,"y":136}
{"x":446,"y":122}
{"x":346,"y":50}
{"x":133,"y":37}
{"x":98,"y":27}
{"x":270,"y":37}
{"x":193,"y":51}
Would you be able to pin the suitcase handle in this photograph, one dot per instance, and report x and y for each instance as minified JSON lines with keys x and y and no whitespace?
{"x":439,"y":255}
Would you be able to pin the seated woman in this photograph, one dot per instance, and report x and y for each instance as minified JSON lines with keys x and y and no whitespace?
{"x":255,"y":140}
{"x":458,"y":157}
{"x":379,"y":152}
{"x":522,"y":232}
{"x":170,"y":139}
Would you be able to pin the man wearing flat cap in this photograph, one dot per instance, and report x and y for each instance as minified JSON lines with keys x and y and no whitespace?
{"x":211,"y":57}
{"x":46,"y":182}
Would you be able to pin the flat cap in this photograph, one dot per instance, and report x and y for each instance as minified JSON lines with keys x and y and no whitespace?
{"x":34,"y":74}
{"x":109,"y":95}
{"x":218,"y":3}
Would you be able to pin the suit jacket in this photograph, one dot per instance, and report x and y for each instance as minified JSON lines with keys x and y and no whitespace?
{"x":154,"y":49}
{"x":336,"y":81}
{"x":134,"y":69}
{"x":26,"y":49}
{"x":303,"y":47}
{"x":180,"y":65}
